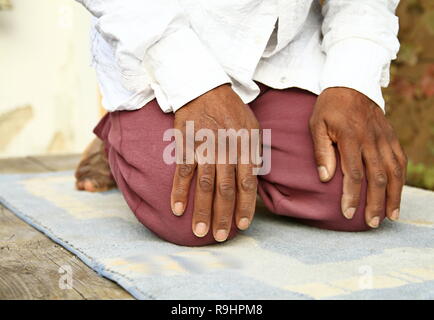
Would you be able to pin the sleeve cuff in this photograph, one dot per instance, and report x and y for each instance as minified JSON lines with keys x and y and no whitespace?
{"x":182,"y":69}
{"x":357,"y":64}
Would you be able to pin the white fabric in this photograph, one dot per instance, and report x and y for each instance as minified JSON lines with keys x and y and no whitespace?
{"x":176,"y":50}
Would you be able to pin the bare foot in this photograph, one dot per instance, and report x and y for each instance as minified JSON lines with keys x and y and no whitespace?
{"x":93,"y":172}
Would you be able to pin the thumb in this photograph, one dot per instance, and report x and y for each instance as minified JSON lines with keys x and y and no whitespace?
{"x":324,"y":151}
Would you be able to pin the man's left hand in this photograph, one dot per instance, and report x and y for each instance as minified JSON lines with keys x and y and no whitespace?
{"x":366,"y":143}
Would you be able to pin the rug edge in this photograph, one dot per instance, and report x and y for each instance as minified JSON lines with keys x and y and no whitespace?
{"x":106,"y":273}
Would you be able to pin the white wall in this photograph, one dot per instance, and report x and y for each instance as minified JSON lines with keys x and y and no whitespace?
{"x":45,"y":65}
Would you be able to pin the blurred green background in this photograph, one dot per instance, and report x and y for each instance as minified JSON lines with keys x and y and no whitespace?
{"x":410,"y":95}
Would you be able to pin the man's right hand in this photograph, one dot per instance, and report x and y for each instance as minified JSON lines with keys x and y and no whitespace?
{"x":222,"y":190}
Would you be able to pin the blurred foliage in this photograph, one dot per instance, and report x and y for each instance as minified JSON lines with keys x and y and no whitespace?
{"x":410,"y":96}
{"x":421,"y":175}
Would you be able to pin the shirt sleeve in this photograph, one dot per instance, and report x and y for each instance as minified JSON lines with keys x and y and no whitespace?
{"x":360,"y":40}
{"x":156,"y":36}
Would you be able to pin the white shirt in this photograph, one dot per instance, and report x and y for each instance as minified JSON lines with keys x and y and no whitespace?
{"x":176,"y":50}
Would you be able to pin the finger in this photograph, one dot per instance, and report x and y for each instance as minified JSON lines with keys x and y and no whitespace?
{"x":224,"y":201}
{"x":395,"y":183}
{"x":246,"y":196}
{"x":352,"y":170}
{"x":400,"y":156}
{"x":397,"y":167}
{"x":377,"y":183}
{"x":324,"y":152}
{"x":180,"y":188}
{"x":203,"y":199}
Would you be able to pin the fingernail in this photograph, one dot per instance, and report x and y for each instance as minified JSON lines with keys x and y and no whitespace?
{"x":395,"y":215}
{"x":178,"y":208}
{"x":349,"y":213}
{"x":243,"y":224}
{"x":200,"y":229}
{"x":323,"y":173}
{"x":221,"y":235}
{"x":375,"y":222}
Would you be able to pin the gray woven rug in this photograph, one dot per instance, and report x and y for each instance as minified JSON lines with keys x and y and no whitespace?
{"x":276,"y":258}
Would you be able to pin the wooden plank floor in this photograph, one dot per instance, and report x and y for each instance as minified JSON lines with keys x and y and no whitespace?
{"x":30,"y":262}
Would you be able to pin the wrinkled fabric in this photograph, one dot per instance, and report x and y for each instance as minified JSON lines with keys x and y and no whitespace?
{"x":292,"y":187}
{"x":175,"y":51}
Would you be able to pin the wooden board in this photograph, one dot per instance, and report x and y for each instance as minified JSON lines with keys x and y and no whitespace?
{"x":32,"y":265}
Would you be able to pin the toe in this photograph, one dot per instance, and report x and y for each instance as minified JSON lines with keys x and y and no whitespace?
{"x":89,"y":185}
{"x":79,"y":185}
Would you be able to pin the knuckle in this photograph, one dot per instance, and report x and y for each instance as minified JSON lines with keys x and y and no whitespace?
{"x":222,"y":225}
{"x":245,"y":209}
{"x":397,"y":172}
{"x":356,"y":175}
{"x":380,"y":179}
{"x":400,"y":163}
{"x":206,"y":183}
{"x":179,"y":191}
{"x":224,"y":222}
{"x":227,"y":189}
{"x":202,"y":214}
{"x":400,"y":155}
{"x":249,"y":184}
{"x":352,"y":198}
{"x":185,"y":170}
